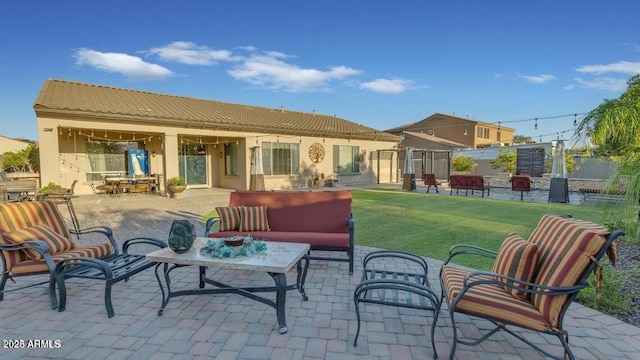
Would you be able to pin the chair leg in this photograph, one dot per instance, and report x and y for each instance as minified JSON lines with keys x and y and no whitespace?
{"x":3,"y":283}
{"x":454,"y":343}
{"x":53,"y":299}
{"x":107,"y":299}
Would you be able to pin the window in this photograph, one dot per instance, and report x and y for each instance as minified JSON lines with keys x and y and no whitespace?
{"x":107,"y":157}
{"x":482,"y":132}
{"x":346,"y":159}
{"x":231,"y":159}
{"x":280,"y":158}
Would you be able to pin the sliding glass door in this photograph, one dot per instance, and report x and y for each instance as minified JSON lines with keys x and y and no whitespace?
{"x":193,"y":164}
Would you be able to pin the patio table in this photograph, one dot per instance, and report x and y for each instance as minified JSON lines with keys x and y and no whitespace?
{"x":278,"y":259}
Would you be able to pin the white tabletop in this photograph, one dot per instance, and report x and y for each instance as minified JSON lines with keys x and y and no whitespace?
{"x":280,"y":257}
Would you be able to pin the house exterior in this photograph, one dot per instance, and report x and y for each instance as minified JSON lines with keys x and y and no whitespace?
{"x":86,"y":132}
{"x":472,"y":133}
{"x":12,"y":144}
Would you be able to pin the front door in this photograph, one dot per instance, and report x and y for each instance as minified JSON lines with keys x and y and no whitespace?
{"x":193,"y":164}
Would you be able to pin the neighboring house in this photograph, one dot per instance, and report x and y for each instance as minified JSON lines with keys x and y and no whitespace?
{"x":85,"y":131}
{"x":472,"y":133}
{"x":419,"y":140}
{"x":8,"y":144}
{"x":14,"y":145}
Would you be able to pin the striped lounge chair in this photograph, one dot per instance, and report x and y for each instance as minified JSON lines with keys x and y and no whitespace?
{"x":532,"y":282}
{"x":35,"y":238}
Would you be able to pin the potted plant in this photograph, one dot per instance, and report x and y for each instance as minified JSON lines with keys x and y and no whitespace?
{"x":176,"y":186}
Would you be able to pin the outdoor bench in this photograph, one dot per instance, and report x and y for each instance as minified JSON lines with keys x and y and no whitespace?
{"x":321,"y":219}
{"x":468,"y":182}
{"x":587,"y":193}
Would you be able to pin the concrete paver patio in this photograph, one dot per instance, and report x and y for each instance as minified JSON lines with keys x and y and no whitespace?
{"x":233,"y":327}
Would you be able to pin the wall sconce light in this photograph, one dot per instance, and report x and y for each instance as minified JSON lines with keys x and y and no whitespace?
{"x":220,"y":154}
{"x":153,"y":153}
{"x":465,"y":131}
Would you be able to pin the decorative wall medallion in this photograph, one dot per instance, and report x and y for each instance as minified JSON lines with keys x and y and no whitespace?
{"x":316,"y":153}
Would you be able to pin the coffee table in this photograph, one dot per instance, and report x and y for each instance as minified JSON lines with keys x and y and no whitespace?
{"x":279,"y":258}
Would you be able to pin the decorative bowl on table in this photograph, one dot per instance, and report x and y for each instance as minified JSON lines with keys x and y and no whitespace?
{"x":234,"y":241}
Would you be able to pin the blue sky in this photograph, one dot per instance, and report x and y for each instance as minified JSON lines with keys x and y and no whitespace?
{"x":378,"y":63}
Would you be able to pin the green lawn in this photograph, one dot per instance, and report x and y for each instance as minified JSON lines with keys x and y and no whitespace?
{"x":428,"y":224}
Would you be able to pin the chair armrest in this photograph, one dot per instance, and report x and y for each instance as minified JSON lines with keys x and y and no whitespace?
{"x":209,"y":224}
{"x":104,"y":230}
{"x":467,"y":249}
{"x":513,"y":283}
{"x":142,"y":240}
{"x":38,"y":245}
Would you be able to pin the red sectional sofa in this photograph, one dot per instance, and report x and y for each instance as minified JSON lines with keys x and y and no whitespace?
{"x":321,"y":219}
{"x":468,"y":182}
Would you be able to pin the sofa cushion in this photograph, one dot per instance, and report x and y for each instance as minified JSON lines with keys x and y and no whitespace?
{"x":491,"y":301}
{"x":40,"y":266}
{"x":336,"y":240}
{"x":57,"y":243}
{"x":253,"y":218}
{"x":229,"y":217}
{"x":565,"y":251}
{"x":517,"y":259}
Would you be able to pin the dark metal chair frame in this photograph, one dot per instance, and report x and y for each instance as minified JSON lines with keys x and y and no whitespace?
{"x":385,"y":287}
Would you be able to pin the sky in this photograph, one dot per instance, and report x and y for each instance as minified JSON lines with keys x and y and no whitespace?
{"x":378,"y":63}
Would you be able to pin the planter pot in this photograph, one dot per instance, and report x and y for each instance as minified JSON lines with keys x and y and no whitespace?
{"x":176,"y":190}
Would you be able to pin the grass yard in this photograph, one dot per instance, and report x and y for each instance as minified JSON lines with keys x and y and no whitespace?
{"x":428,"y":224}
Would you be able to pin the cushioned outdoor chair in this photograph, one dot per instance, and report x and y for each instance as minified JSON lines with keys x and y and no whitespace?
{"x":521,"y":183}
{"x":430,"y":180}
{"x":533,"y":281}
{"x":35,"y":239}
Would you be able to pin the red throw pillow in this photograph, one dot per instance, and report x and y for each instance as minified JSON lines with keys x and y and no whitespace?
{"x":57,"y":243}
{"x":517,"y":259}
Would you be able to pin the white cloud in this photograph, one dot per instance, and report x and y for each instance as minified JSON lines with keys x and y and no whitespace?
{"x":621,"y":67}
{"x":189,"y":53}
{"x":270,"y":71}
{"x":130,"y":66}
{"x":388,"y":86}
{"x":604,"y":83}
{"x":537,"y":79}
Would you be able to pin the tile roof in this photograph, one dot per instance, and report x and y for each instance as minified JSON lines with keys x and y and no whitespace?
{"x":75,"y":98}
{"x":439,"y":140}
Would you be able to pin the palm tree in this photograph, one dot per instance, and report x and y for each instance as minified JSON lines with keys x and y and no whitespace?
{"x":614,"y":126}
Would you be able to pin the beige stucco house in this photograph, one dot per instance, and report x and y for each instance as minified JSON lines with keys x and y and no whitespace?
{"x":85,"y":132}
{"x":472,"y":133}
